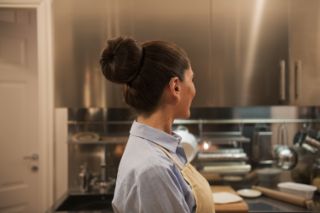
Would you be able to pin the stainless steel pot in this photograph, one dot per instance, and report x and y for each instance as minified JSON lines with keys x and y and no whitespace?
{"x":285,"y":157}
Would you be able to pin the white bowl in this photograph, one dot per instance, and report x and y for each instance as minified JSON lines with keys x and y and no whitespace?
{"x":249,"y":193}
{"x":298,"y":189}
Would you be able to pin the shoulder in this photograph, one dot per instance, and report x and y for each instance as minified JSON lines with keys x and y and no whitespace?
{"x":145,"y":153}
{"x":143,"y":158}
{"x":154,"y":164}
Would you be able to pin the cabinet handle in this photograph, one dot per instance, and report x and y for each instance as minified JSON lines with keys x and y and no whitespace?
{"x":297,"y":68}
{"x":33,"y":157}
{"x":282,"y":80}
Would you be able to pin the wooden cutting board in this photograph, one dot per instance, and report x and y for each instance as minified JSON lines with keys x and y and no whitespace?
{"x":239,"y":207}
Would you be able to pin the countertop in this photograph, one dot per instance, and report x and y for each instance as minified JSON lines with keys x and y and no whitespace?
{"x":265,"y":204}
{"x":79,"y":193}
{"x":236,"y":207}
{"x":261,"y":204}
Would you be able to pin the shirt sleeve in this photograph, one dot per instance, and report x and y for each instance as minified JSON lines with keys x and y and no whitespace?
{"x":156,"y":190}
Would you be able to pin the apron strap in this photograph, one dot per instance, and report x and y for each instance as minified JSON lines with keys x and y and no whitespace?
{"x":176,"y":161}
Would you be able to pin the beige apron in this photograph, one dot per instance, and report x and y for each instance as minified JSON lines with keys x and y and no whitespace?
{"x":199,"y":185}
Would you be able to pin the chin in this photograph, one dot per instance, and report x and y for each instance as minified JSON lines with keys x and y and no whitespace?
{"x":188,"y":114}
{"x":185,"y":115}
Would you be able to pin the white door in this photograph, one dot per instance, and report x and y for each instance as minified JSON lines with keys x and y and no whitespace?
{"x":19,"y":145}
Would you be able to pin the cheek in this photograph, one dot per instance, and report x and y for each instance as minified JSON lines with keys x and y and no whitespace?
{"x":193,"y":90}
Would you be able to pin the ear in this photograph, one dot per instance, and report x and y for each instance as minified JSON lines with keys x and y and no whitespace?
{"x":175,"y":87}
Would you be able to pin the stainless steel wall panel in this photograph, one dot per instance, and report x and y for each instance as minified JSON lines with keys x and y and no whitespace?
{"x":79,"y":33}
{"x":184,"y":22}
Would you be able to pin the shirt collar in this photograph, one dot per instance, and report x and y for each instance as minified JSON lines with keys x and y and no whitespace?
{"x":156,"y":136}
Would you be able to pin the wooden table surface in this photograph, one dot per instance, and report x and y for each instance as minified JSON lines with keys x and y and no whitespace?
{"x":239,"y":207}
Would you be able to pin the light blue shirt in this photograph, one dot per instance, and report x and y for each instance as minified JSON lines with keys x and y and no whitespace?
{"x":148,"y":181}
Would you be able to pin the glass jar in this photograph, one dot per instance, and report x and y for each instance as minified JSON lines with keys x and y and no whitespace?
{"x":315,"y":174}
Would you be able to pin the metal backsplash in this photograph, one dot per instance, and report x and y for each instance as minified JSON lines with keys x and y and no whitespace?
{"x":111,"y":123}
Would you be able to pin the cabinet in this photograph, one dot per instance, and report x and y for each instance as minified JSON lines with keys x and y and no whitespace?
{"x":235,"y":46}
{"x":249,"y":52}
{"x":304,"y":40}
{"x":243,"y":52}
{"x":265,"y":52}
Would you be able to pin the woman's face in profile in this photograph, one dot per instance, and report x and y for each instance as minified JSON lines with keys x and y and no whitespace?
{"x":188,"y":92}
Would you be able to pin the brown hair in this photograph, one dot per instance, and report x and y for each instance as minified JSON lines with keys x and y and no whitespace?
{"x":144,"y":69}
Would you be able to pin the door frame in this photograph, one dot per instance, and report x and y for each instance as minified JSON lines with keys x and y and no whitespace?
{"x":45,"y":93}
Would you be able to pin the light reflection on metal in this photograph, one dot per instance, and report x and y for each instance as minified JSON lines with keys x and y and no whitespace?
{"x":86,"y":88}
{"x":253,"y":40}
{"x":205,"y":146}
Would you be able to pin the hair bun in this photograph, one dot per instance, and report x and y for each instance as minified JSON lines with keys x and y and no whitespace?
{"x":120,"y":60}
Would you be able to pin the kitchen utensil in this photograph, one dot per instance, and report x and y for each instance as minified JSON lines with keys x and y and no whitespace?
{"x":223,"y":155}
{"x":249,"y":193}
{"x":262,"y":148}
{"x":268,"y":176}
{"x":311,"y":144}
{"x":298,"y":189}
{"x":289,"y":198}
{"x":188,"y":142}
{"x":286,"y":157}
{"x":315,"y":174}
{"x":85,"y":137}
{"x":234,"y":168}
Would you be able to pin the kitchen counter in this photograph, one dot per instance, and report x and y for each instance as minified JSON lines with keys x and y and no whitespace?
{"x":261,"y":204}
{"x":265,"y":204}
{"x":78,"y":194}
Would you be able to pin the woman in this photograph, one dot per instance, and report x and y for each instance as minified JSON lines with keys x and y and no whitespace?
{"x":158,"y":85}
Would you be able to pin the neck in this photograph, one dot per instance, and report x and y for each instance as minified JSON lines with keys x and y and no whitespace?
{"x":161,"y":119}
